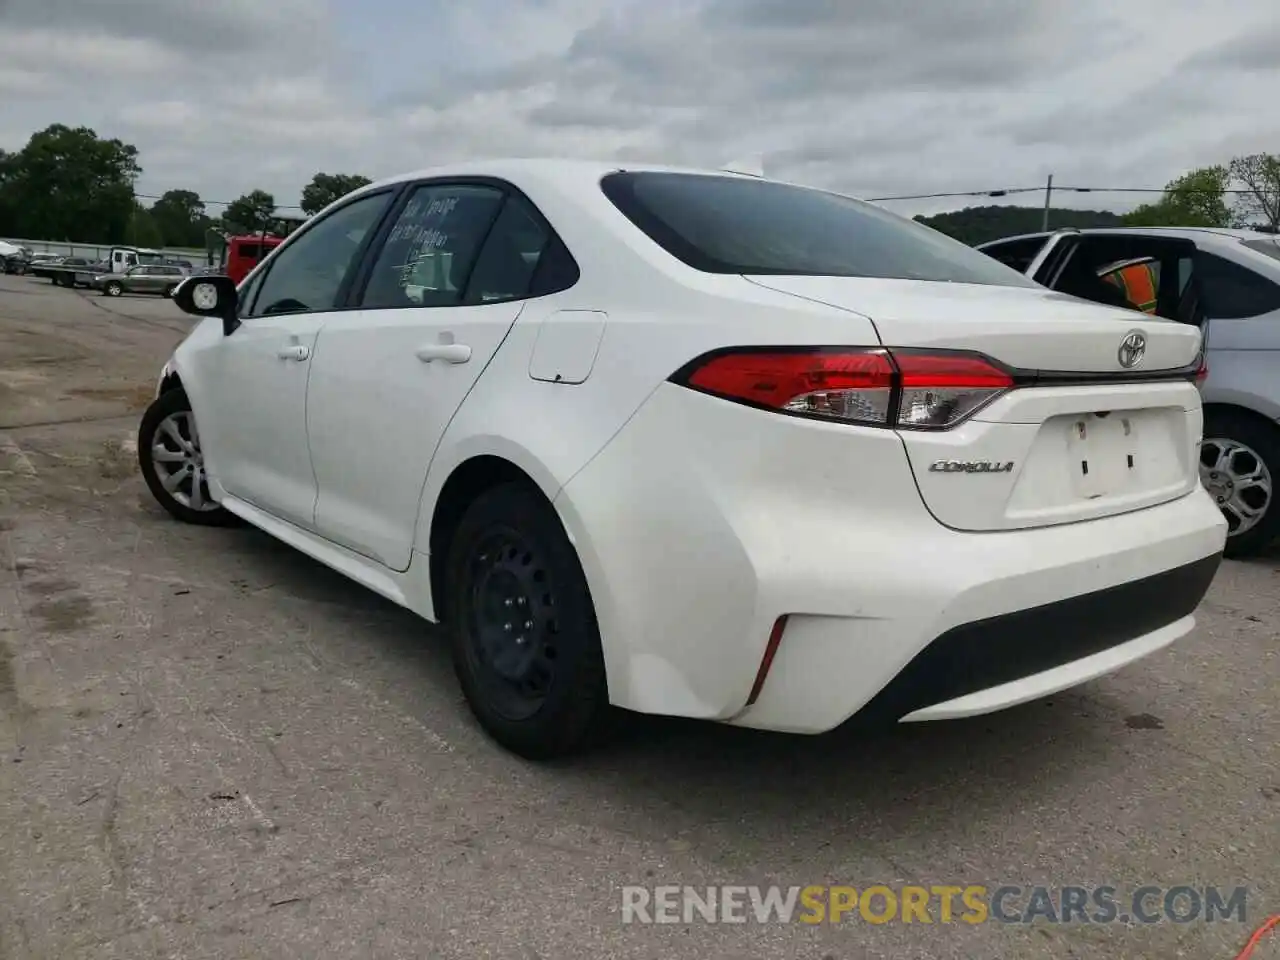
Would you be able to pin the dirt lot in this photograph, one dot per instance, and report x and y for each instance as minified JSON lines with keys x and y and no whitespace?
{"x":211,"y":747}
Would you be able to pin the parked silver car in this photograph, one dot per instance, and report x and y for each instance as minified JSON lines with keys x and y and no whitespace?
{"x":1227,"y":282}
{"x":148,"y":278}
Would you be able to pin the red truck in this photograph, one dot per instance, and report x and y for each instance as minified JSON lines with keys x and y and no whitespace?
{"x":245,"y":252}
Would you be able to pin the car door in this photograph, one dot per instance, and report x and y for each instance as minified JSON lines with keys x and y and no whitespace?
{"x":429,"y":312}
{"x":1242,"y":302}
{"x":253,"y":420}
{"x":132,"y":281}
{"x":150,"y":279}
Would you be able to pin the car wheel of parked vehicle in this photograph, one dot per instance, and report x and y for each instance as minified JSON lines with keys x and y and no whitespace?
{"x":112,"y":289}
{"x":172,"y":462}
{"x":522,"y":627}
{"x":167,"y":291}
{"x":1239,"y":461}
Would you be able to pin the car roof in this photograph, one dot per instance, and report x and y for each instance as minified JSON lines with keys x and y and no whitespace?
{"x":517,"y":169}
{"x":1187,"y":233}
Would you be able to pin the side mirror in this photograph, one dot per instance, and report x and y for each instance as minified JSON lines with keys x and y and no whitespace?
{"x":212,"y":296}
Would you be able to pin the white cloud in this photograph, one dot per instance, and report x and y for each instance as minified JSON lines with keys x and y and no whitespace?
{"x":880,"y":97}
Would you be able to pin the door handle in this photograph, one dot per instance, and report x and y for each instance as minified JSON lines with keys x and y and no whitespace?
{"x":448,"y":352}
{"x":296,"y":352}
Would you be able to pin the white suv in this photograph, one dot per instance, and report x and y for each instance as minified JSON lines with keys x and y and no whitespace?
{"x":698,"y":444}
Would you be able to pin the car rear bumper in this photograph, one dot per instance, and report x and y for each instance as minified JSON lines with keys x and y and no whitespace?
{"x":1009,"y":658}
{"x":703,"y":523}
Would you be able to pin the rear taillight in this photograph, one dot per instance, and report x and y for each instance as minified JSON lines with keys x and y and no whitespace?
{"x":903,"y":389}
{"x":1202,"y":372}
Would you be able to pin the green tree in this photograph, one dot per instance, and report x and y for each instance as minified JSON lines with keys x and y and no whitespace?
{"x":67,"y":183}
{"x":1198,"y":198}
{"x":975,"y":225}
{"x":8,"y":208}
{"x":250,"y":213}
{"x":180,"y":217}
{"x":325,"y":188}
{"x":143,"y":229}
{"x":1259,"y":176}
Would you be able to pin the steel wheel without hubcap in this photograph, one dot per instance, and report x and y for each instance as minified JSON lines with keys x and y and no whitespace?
{"x":522,"y":627}
{"x":1238,"y":480}
{"x":512,"y":625}
{"x":179,"y":464}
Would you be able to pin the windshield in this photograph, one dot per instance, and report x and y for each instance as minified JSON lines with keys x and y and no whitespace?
{"x":723,"y":224}
{"x":150,"y":258}
{"x":1270,"y":247}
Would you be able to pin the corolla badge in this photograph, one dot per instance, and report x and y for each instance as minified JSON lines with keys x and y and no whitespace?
{"x":971,"y":466}
{"x":1132,"y":349}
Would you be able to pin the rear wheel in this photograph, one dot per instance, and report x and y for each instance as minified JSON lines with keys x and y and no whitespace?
{"x":522,"y":626}
{"x":1239,"y":463}
{"x":113,"y":289}
{"x":172,"y":462}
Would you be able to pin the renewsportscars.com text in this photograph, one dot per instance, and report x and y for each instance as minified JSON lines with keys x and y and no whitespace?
{"x":972,"y":904}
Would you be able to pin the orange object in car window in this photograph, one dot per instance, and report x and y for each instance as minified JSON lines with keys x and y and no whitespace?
{"x":1138,"y":281}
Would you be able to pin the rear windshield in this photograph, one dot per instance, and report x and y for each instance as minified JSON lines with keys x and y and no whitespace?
{"x":1270,"y":247}
{"x":720,"y":224}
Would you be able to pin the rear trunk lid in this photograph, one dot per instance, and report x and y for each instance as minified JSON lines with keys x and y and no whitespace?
{"x":1083,"y":435}
{"x":1031,"y":328}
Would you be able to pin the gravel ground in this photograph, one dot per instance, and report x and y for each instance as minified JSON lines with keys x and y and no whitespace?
{"x":212,"y":747}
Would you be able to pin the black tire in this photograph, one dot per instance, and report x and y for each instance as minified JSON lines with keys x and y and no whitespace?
{"x":166,"y":405}
{"x":560,"y":701}
{"x":112,"y":289}
{"x":1263,"y":439}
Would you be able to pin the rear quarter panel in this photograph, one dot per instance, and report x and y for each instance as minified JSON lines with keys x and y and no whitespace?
{"x":553,"y":430}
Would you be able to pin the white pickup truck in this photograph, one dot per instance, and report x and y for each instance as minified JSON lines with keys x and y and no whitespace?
{"x":73,"y":272}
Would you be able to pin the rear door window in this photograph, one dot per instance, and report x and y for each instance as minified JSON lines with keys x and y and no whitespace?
{"x":427,"y":258}
{"x":1233,"y":292}
{"x":522,"y":257}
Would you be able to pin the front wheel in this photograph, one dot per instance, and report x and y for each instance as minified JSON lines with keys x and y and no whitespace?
{"x":172,"y":462}
{"x":112,"y":289}
{"x":1239,"y":461}
{"x":522,"y":627}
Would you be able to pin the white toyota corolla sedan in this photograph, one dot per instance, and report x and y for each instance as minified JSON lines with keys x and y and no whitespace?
{"x":699,"y":444}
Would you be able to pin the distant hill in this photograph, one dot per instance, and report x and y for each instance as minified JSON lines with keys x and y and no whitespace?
{"x":975,"y":225}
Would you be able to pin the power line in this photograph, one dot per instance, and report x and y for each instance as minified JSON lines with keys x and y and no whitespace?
{"x":963,"y":193}
{"x":218,"y":203}
{"x":1009,"y":191}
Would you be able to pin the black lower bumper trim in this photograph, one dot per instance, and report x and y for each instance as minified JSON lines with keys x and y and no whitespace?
{"x":986,"y":653}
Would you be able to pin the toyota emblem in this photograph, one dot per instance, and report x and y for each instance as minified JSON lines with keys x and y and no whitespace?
{"x":1132,"y":349}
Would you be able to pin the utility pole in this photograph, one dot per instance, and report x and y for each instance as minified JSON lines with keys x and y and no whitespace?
{"x":1048,"y":193}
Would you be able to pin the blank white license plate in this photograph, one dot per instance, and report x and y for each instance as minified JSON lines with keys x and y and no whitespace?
{"x":1103,"y":453}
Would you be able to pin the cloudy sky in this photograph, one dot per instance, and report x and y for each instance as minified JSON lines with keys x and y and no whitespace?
{"x":874,"y":97}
